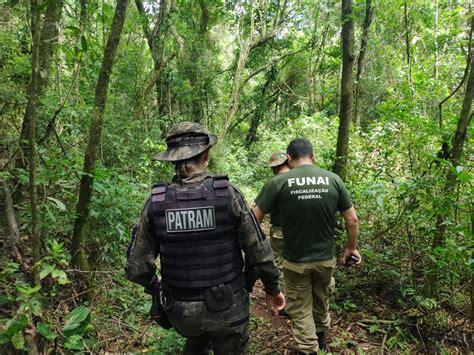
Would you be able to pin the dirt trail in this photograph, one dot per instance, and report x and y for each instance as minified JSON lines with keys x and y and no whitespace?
{"x":271,"y":334}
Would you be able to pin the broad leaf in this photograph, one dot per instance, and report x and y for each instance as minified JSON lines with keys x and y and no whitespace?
{"x":44,"y":330}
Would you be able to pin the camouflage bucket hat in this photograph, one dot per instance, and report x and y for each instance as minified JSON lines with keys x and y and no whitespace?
{"x":186,"y":140}
{"x":277,"y":158}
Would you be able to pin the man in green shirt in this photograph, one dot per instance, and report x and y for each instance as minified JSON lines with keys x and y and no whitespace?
{"x":309,"y":198}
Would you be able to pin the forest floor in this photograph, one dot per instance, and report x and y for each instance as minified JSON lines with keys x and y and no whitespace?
{"x":272,"y":334}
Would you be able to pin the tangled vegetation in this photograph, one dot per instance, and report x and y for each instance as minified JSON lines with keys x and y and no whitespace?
{"x":89,"y":88}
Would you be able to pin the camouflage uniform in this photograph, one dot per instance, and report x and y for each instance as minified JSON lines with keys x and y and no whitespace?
{"x":276,"y":234}
{"x":226,"y":330}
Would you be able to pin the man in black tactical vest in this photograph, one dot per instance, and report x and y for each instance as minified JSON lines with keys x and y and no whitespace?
{"x":199,"y":225}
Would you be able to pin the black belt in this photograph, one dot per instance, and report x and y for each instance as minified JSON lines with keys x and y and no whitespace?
{"x":197,"y":294}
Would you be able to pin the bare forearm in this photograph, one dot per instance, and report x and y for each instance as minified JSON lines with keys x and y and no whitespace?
{"x":352,"y":230}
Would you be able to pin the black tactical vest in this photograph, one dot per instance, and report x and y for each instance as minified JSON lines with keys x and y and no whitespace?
{"x":198,"y":245}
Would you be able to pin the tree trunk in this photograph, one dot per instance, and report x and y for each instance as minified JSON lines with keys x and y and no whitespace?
{"x":195,"y":77}
{"x":407,"y":45}
{"x":361,"y":61}
{"x":48,"y":37}
{"x":347,"y":85}
{"x":451,"y":178}
{"x":236,"y":87}
{"x":94,"y":137}
{"x":156,"y":42}
{"x":30,"y":120}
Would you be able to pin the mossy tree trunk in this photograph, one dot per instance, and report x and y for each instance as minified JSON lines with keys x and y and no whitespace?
{"x":458,"y":141}
{"x":361,"y":62}
{"x":94,"y":137}
{"x":347,"y":88}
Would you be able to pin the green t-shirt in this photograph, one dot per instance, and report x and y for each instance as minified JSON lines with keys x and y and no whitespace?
{"x":275,"y":217}
{"x":308,"y":198}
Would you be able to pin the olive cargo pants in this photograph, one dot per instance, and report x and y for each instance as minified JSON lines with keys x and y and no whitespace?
{"x":276,"y":242}
{"x":307,"y":297}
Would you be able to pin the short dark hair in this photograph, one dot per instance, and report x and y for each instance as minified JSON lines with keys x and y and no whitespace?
{"x":299,"y":148}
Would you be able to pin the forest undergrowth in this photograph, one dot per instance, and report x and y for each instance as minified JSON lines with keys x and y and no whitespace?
{"x":88,"y":90}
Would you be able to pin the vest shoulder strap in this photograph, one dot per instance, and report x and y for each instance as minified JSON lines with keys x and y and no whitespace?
{"x":158,"y":192}
{"x":221,"y":185}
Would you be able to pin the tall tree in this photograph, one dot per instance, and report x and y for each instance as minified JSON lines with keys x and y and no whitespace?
{"x":347,"y":85}
{"x":156,"y":35}
{"x":94,"y":137}
{"x":406,"y":22}
{"x":44,"y":30}
{"x":459,"y":138}
{"x":361,"y":61}
{"x":258,"y":34}
{"x":47,"y":30}
{"x":196,"y":53}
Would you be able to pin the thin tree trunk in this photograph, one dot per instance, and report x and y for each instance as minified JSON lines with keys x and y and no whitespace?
{"x":94,"y":137}
{"x":50,"y":126}
{"x":30,"y":120}
{"x":407,"y":46}
{"x":459,"y":138}
{"x":361,"y":61}
{"x":347,"y":85}
{"x":471,"y":212}
{"x":48,"y":37}
{"x":236,"y":87}
{"x":82,"y":28}
{"x":156,"y":42}
{"x":435,"y":34}
{"x":464,"y":77}
{"x":195,"y":77}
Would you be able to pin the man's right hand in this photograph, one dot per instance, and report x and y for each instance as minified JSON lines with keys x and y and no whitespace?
{"x":351,"y":252}
{"x":279,"y":303}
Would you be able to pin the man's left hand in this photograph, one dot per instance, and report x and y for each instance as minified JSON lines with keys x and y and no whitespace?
{"x":279,"y":303}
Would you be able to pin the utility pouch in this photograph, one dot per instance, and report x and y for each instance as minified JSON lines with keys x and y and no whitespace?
{"x":219,"y":298}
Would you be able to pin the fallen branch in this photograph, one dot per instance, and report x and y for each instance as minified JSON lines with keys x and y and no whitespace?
{"x":382,"y":346}
{"x":381,"y":321}
{"x":93,"y":271}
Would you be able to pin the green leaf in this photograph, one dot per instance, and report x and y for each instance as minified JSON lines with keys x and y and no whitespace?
{"x":44,"y":330}
{"x":56,"y":247}
{"x":28,"y":290}
{"x":84,"y":43}
{"x":13,"y":326}
{"x":75,"y":320}
{"x":379,"y":201}
{"x":464,"y":177}
{"x":18,"y":341}
{"x":61,"y":276}
{"x":46,"y":270}
{"x":74,"y":342}
{"x":75,"y":30}
{"x":373,"y":328}
{"x":59,"y":204}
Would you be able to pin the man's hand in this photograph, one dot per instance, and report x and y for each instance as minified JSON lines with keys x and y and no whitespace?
{"x":351,"y":252}
{"x":279,"y":303}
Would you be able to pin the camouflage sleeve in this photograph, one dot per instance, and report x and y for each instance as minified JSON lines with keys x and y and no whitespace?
{"x":142,"y":252}
{"x":258,"y":252}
